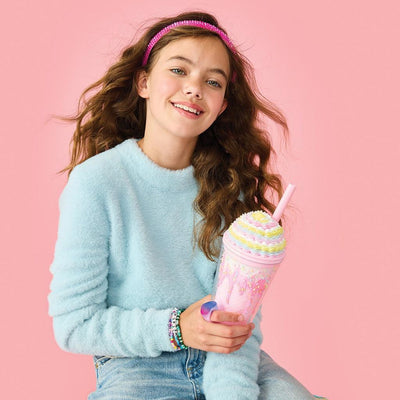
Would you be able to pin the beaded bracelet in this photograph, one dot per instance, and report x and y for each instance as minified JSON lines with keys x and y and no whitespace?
{"x":174,"y":330}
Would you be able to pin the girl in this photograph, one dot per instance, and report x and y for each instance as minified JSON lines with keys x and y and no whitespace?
{"x":166,"y":154}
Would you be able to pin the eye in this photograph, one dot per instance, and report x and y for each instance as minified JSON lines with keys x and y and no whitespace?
{"x":211,"y":82}
{"x":177,"y":71}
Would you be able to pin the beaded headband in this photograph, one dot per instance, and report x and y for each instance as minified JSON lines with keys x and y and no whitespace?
{"x":199,"y":24}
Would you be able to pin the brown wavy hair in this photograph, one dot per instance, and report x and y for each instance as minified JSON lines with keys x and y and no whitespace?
{"x":232,"y":158}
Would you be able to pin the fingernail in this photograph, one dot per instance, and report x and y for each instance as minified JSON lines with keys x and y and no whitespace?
{"x":240,"y":318}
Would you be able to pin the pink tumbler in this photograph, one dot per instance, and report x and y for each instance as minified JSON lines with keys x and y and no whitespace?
{"x":253,"y":248}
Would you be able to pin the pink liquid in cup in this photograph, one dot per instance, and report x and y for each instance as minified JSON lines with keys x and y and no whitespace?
{"x":254,"y":247}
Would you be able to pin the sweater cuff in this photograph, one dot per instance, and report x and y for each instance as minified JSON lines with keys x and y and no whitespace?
{"x":155,"y":328}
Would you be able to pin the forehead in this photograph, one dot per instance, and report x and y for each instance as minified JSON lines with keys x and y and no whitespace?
{"x":204,"y":50}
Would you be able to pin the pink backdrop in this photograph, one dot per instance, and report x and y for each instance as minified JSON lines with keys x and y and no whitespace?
{"x":332,"y":314}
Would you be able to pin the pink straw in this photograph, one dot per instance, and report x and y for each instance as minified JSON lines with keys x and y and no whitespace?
{"x":283,"y":202}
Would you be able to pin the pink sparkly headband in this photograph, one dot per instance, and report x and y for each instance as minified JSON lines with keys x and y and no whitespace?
{"x":199,"y":24}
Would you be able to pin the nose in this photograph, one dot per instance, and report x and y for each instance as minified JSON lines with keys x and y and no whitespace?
{"x":193,"y":89}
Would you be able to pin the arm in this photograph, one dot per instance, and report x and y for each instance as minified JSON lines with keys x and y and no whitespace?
{"x":82,"y":320}
{"x":234,"y":376}
{"x":231,"y":368}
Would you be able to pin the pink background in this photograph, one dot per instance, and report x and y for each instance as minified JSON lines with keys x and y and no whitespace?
{"x":331,"y":316}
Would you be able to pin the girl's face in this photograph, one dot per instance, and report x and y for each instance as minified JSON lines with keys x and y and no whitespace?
{"x":185,"y":89}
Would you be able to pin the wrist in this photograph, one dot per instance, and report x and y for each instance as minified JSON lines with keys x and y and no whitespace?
{"x":174,"y":330}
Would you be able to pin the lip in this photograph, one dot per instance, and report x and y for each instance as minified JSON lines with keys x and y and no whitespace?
{"x":190,"y":105}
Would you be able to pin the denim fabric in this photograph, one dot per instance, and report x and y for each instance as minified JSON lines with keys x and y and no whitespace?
{"x":277,"y":384}
{"x":170,"y":376}
{"x":179,"y":375}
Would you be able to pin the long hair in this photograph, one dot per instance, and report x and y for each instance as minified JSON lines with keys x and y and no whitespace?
{"x":232,"y":158}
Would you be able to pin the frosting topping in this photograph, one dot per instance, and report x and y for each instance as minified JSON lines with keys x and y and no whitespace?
{"x":256,"y":234}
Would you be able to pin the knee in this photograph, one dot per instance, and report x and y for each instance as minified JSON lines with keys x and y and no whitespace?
{"x":277,"y":384}
{"x":282,"y":386}
{"x":283,"y":383}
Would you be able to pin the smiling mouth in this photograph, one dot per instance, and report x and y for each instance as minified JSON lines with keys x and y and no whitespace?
{"x":186,"y":108}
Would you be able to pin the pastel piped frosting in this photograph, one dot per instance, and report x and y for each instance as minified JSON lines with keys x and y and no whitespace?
{"x":257,"y":235}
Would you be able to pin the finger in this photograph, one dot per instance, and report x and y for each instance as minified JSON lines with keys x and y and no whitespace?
{"x":222,"y":350}
{"x":228,"y":331}
{"x":207,"y":309}
{"x":227,"y":342}
{"x":224,"y":316}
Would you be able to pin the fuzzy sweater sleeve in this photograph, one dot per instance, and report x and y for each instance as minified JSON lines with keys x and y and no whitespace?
{"x":82,"y":320}
{"x":234,"y":376}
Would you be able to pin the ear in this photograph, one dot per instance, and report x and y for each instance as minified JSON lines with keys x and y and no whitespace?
{"x":223,"y":107}
{"x":141,"y":84}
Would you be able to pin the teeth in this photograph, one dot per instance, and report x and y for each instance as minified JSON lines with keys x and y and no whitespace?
{"x":186,"y":108}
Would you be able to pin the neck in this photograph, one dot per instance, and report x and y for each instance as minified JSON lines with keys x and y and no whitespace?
{"x":174,"y":155}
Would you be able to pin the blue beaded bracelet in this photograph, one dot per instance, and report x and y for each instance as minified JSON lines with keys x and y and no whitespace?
{"x":174,"y":330}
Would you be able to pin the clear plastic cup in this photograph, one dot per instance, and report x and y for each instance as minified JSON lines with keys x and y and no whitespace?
{"x":249,"y":260}
{"x":242,"y":281}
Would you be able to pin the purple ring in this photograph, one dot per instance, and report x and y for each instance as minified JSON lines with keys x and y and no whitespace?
{"x":207,"y":309}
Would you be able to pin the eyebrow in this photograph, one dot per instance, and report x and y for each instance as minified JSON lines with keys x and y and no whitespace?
{"x":215,"y":70}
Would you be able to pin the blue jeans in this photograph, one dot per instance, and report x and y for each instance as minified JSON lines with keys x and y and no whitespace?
{"x":179,"y":375}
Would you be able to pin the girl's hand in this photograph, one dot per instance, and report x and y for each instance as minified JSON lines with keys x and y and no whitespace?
{"x":213,"y":336}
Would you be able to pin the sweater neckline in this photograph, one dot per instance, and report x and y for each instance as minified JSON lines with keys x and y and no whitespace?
{"x":157,"y":176}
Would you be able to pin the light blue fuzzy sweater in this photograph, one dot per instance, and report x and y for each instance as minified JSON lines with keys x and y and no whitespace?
{"x":125,"y":257}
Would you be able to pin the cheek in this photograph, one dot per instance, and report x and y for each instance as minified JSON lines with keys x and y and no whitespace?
{"x":166,"y":87}
{"x":218,"y":103}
